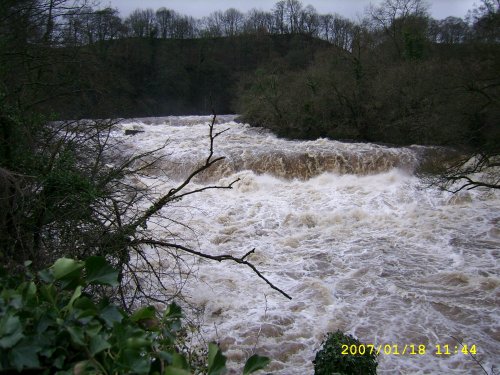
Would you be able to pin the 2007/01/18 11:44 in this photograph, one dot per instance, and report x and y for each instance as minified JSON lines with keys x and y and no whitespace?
{"x":410,"y":349}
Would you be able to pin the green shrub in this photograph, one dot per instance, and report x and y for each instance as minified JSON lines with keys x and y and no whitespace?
{"x":335,"y":357}
{"x":49,"y":324}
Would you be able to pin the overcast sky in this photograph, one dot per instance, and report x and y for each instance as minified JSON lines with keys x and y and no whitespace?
{"x":348,"y":8}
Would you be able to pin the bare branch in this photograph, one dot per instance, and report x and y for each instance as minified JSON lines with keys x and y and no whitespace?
{"x":218,"y":258}
{"x":171,"y":195}
{"x":472,"y":355}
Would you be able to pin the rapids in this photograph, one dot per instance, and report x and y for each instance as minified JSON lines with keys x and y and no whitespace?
{"x":347,"y":229}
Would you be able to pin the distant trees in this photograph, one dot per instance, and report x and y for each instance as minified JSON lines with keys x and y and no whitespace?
{"x":232,"y":22}
{"x":452,"y":30}
{"x":142,"y":23}
{"x":166,"y":20}
{"x":485,"y":21}
{"x":395,"y":81}
{"x":403,"y":22}
{"x":404,"y":25}
{"x":258,"y":21}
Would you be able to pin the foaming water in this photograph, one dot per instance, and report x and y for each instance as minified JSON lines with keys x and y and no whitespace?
{"x":253,"y":149}
{"x":346,"y":229}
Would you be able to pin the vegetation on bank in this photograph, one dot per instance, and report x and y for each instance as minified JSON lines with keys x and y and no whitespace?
{"x":51,"y":322}
{"x":395,"y":84}
{"x":343,"y":354}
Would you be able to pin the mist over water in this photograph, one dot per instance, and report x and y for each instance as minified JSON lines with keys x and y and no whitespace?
{"x":348,"y":230}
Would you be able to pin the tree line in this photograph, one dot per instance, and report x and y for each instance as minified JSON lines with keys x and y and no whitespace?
{"x":394,"y":84}
{"x":86,"y":25}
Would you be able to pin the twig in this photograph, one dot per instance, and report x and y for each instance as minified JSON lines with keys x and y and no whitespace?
{"x":218,"y":258}
{"x":472,"y":355}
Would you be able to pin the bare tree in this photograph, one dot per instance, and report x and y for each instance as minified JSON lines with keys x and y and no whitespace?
{"x":484,"y":21}
{"x":293,"y":9}
{"x":184,"y":27}
{"x":165,"y":19}
{"x":309,"y":21}
{"x":452,"y":30}
{"x":280,"y":21}
{"x":232,"y":21}
{"x":325,"y":26}
{"x":142,"y":23}
{"x":392,"y":15}
{"x":106,"y":24}
{"x":213,"y":24}
{"x":257,"y":21}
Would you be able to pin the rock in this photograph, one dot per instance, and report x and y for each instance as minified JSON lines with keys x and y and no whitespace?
{"x":133,"y":131}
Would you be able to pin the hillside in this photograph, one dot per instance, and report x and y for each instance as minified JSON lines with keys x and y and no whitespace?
{"x":136,"y":77}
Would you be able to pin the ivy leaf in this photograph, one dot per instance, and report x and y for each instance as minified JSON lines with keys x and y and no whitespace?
{"x":24,"y":356}
{"x":216,"y":360}
{"x":65,"y":268}
{"x":100,"y":272}
{"x":49,"y":293}
{"x":46,"y":276}
{"x":135,"y":361}
{"x":255,"y":363}
{"x":77,"y":335}
{"x":68,"y":272}
{"x":98,"y":344}
{"x":11,"y":331}
{"x":145,"y":313}
{"x":179,"y":361}
{"x":173,"y":311}
{"x":77,"y":293}
{"x":111,"y":314}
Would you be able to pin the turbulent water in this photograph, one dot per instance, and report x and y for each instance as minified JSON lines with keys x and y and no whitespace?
{"x":359,"y":242}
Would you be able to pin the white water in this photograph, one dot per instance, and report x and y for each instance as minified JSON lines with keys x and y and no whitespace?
{"x":374,"y":253}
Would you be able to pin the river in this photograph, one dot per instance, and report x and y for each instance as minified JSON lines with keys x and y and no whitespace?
{"x":348,"y":230}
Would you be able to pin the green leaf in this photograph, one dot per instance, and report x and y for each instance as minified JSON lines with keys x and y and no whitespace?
{"x":136,"y":362}
{"x":173,"y":311}
{"x":93,"y":328}
{"x":147,"y":312}
{"x":216,"y":360}
{"x":255,"y":363}
{"x":30,"y":291}
{"x":46,"y":276}
{"x":49,"y":293}
{"x":11,"y":340}
{"x":100,"y":272}
{"x":179,"y":361}
{"x":65,"y":268}
{"x":24,"y":356}
{"x":98,"y":344}
{"x":85,"y":309}
{"x":11,"y":331}
{"x":77,"y":293}
{"x":77,"y":335}
{"x":111,"y":314}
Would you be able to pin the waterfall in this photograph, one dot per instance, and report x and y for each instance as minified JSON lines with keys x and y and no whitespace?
{"x":347,"y":229}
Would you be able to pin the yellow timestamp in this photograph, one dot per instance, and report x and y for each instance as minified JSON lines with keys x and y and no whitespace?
{"x":455,"y":349}
{"x":406,"y":349}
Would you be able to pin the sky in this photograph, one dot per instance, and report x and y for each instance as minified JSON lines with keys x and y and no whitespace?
{"x":352,"y":9}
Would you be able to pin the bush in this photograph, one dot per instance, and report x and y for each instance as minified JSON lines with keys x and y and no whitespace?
{"x":332,"y":358}
{"x":49,"y":324}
